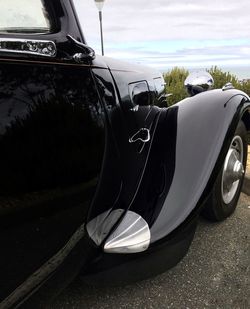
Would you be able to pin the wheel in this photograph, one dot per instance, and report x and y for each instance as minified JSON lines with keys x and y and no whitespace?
{"x":226,"y":191}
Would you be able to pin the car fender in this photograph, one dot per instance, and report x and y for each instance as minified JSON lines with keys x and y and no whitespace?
{"x":205,"y":126}
{"x":187,"y":150}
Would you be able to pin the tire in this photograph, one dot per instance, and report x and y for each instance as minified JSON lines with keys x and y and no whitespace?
{"x":226,"y":191}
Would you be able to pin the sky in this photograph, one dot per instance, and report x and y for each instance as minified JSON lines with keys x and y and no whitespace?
{"x":164,"y":34}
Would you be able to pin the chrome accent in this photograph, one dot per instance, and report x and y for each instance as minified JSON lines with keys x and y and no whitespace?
{"x":28,"y":47}
{"x":228,"y":86}
{"x":131,"y":236}
{"x":142,"y":135}
{"x":135,"y":108}
{"x":89,"y":53}
{"x":233,"y":170}
{"x":99,"y":227}
{"x":197,"y":82}
{"x":79,"y":57}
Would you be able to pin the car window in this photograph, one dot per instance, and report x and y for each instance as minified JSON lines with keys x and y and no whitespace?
{"x":23,"y":16}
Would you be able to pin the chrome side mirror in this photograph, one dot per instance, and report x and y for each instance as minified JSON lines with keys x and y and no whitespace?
{"x":197,"y":82}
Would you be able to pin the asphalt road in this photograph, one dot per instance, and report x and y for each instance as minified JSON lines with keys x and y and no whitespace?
{"x":214,"y":274}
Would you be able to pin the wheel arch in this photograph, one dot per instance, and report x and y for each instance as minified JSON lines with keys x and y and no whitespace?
{"x":246,"y":118}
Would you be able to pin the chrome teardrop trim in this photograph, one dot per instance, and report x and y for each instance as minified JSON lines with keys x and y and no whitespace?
{"x":131,"y":236}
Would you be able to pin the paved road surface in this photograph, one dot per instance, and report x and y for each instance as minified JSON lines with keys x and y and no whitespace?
{"x":214,"y":274}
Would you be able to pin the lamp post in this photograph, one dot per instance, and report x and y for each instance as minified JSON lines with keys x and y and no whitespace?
{"x":99,"y":5}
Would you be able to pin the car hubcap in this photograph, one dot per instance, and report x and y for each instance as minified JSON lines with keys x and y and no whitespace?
{"x":233,"y":170}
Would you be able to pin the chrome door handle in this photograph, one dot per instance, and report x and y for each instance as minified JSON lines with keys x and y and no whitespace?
{"x":42,"y":48}
{"x":142,"y":135}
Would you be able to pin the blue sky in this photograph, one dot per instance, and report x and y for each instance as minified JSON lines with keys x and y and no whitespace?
{"x":164,"y":34}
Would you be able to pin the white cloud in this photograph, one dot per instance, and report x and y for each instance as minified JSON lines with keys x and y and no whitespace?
{"x":145,"y":30}
{"x":154,"y":20}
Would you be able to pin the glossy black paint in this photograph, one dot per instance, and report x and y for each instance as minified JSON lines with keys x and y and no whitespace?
{"x":52,"y":145}
{"x":121,"y":269}
{"x":66,"y":159}
{"x":174,"y":144}
{"x":165,"y":196}
{"x":122,"y":175}
{"x":197,"y":152}
{"x":165,"y":199}
{"x":52,"y":140}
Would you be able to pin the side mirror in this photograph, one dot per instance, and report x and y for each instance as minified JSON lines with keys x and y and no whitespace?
{"x":197,"y":82}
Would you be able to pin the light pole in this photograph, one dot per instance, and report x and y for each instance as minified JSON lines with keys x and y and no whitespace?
{"x":99,"y":5}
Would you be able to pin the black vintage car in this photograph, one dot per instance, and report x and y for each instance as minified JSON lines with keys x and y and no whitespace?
{"x":97,"y":175}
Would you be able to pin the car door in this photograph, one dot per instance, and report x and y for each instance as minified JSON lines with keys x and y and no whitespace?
{"x":52,"y":135}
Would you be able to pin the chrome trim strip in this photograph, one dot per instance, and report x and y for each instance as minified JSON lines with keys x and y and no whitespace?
{"x":142,"y":135}
{"x":28,"y":47}
{"x":99,"y":227}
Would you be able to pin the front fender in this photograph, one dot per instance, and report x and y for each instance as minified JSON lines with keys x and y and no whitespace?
{"x":187,"y":150}
{"x":205,"y":126}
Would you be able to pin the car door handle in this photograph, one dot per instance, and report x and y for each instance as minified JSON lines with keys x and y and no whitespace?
{"x":142,"y":135}
{"x":42,"y":48}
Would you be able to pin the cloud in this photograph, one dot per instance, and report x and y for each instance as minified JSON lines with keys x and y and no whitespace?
{"x":191,"y":32}
{"x":196,"y":19}
{"x":187,"y":56}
